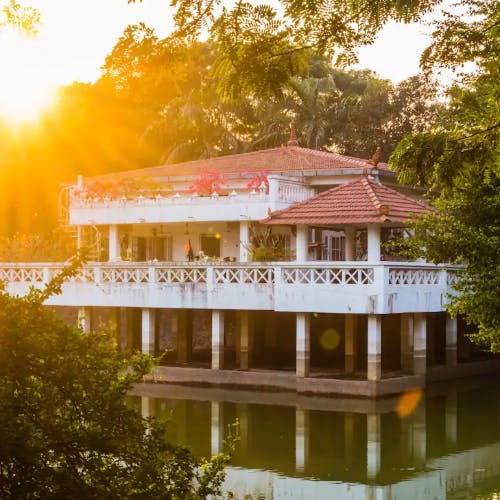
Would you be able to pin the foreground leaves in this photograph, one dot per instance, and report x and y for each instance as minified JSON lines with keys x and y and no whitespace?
{"x":67,"y":431}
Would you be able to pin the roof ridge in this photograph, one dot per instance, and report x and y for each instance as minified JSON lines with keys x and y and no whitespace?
{"x":371,"y":192}
{"x":406,"y":197}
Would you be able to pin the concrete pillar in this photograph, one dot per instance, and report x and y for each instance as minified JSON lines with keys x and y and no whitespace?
{"x":184,"y":335}
{"x":302,"y":344}
{"x":301,"y":243}
{"x":301,"y":439}
{"x":406,"y":342}
{"x":114,"y":243}
{"x":373,"y":444}
{"x":451,"y":419}
{"x":85,"y":318}
{"x":373,"y":234}
{"x":350,"y":343}
{"x":244,"y":241}
{"x":451,"y":340}
{"x":148,"y":327}
{"x":216,"y":428}
{"x":217,"y":340}
{"x":350,"y":243}
{"x":244,"y":340}
{"x":374,"y":365}
{"x":419,"y":344}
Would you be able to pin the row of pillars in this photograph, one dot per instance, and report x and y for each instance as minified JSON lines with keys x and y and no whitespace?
{"x":115,"y":253}
{"x":413,"y":341}
{"x":413,"y":433}
{"x":301,"y":242}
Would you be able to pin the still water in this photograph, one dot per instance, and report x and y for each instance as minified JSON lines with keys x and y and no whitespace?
{"x":444,"y":443}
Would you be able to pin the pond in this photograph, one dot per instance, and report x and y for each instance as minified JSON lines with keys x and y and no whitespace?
{"x":444,"y":443}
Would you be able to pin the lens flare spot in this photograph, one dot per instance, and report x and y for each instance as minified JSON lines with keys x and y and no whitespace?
{"x":408,"y":402}
{"x":187,"y":246}
{"x":218,"y":236}
{"x":315,"y":315}
{"x":330,"y":339}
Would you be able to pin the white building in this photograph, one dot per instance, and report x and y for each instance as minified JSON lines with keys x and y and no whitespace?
{"x":325,"y":308}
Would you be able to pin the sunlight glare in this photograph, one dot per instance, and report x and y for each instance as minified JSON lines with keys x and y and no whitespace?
{"x":408,"y":402}
{"x":26,"y":85}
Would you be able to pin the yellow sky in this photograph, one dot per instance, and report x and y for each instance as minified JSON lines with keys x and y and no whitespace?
{"x":76,"y":35}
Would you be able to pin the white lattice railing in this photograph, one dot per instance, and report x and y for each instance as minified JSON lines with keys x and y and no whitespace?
{"x":328,"y":276}
{"x":124,"y":275}
{"x":405,"y":276}
{"x":219,"y":274}
{"x":452,"y":278}
{"x":181,"y":275}
{"x":242,"y":275}
{"x":15,"y":274}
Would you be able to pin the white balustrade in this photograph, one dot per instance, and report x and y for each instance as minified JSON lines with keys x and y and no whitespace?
{"x":177,"y":199}
{"x":124,"y":274}
{"x":293,"y":192}
{"x":245,"y":275}
{"x":413,"y":276}
{"x":324,"y":273}
{"x":21,"y":274}
{"x":328,"y":276}
{"x":181,"y":274}
{"x":313,"y":286}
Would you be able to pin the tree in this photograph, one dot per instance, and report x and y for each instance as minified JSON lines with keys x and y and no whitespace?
{"x":260,"y":49}
{"x":67,"y":430}
{"x":25,"y":19}
{"x":460,"y":157}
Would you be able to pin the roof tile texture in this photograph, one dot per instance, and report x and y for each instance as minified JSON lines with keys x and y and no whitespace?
{"x":284,"y":159}
{"x":360,"y":201}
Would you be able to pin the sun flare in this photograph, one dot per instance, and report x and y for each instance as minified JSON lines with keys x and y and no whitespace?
{"x":26,"y":85}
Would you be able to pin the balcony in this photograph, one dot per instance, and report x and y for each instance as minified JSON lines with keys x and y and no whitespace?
{"x":238,"y":204}
{"x":329,"y":287}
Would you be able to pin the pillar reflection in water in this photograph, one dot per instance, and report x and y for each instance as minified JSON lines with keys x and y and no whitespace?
{"x":335,"y":448}
{"x":216,"y":428}
{"x":373,"y":445}
{"x":301,"y":439}
{"x":451,"y":419}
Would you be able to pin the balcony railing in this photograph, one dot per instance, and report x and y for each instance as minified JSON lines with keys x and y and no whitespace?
{"x":286,"y":273}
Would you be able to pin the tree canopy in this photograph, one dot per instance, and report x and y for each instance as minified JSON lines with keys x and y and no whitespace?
{"x":67,"y":429}
{"x":460,"y":158}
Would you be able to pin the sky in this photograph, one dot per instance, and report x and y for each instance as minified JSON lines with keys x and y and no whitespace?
{"x":76,"y":35}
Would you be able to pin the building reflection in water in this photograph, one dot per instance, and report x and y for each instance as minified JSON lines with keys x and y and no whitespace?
{"x":307,"y":447}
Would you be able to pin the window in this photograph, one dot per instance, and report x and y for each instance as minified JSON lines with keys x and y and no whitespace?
{"x":145,"y":249}
{"x":210,"y":245}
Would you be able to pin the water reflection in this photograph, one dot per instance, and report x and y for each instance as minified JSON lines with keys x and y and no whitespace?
{"x":307,"y":447}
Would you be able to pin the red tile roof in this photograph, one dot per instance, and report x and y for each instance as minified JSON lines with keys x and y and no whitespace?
{"x":360,"y":201}
{"x":284,"y":159}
